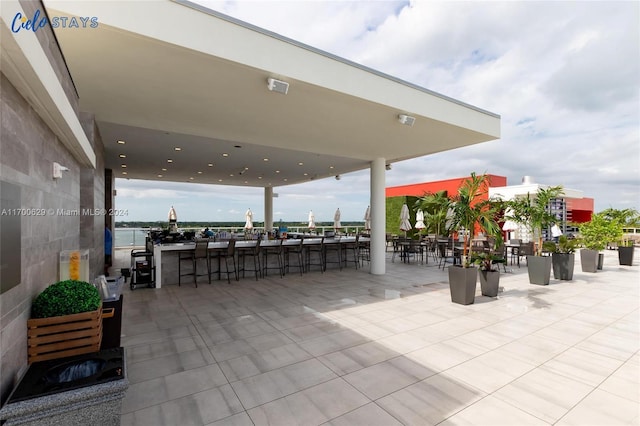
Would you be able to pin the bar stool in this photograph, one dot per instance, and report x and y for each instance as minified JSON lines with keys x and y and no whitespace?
{"x":314,"y":246}
{"x":333,"y":245}
{"x":351,"y":247}
{"x":226,"y":254}
{"x":253,"y":252}
{"x":275,"y":249}
{"x":295,"y":249}
{"x":199,"y":253}
{"x":364,"y":250}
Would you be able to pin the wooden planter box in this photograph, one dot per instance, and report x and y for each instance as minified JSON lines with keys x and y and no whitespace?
{"x":63,"y":336}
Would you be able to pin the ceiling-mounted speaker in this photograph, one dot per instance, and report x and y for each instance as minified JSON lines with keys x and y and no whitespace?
{"x":406,"y":119}
{"x":278,"y":86}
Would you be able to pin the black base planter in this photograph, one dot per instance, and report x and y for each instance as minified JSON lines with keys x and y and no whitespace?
{"x":462,"y":283}
{"x":80,"y":390}
{"x":489,"y":282}
{"x":539,"y":269}
{"x":625,"y":255}
{"x":589,"y":260}
{"x":563,"y":265}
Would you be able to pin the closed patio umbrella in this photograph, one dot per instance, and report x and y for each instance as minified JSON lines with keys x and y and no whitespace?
{"x":336,"y":220}
{"x":509,"y":224}
{"x":249,"y":217}
{"x":367,"y":219}
{"x":312,"y":220}
{"x":405,"y":225}
{"x":420,"y":220}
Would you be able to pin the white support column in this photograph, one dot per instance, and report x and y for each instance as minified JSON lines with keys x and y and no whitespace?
{"x":378,"y":220}
{"x":268,"y":209}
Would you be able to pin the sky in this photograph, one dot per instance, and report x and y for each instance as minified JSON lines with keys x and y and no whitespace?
{"x":563,"y":76}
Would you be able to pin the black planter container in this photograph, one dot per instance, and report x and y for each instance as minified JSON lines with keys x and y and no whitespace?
{"x":563,"y":265}
{"x":85,"y":389}
{"x":625,"y":255}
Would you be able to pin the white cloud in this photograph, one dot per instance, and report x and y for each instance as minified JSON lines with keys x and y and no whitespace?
{"x":564,"y":76}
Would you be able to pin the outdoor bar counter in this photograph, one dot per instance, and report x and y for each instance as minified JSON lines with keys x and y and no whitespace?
{"x":166,"y":255}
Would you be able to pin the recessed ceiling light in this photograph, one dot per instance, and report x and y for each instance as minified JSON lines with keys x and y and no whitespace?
{"x":219,"y":180}
{"x":301,"y":164}
{"x":191,"y":178}
{"x":123,"y":166}
{"x":285,"y":179}
{"x":259,"y":177}
{"x":159,"y":175}
{"x":306,"y":174}
{"x":121,"y":142}
{"x":124,"y":173}
{"x":246,"y":181}
{"x":265,"y":159}
{"x":225,"y":154}
{"x":277,"y":171}
{"x":164,"y":170}
{"x":331,"y":167}
{"x":169,"y":160}
{"x":231,"y":175}
{"x":177,"y":148}
{"x":210,"y":164}
{"x":122,"y":156}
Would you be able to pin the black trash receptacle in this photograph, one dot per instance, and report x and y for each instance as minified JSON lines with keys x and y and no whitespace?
{"x":112,"y":326}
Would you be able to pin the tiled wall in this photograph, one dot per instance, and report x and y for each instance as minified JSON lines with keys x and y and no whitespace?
{"x":28,"y":149}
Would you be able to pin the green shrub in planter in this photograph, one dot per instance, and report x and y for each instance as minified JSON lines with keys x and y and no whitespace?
{"x":64,"y":298}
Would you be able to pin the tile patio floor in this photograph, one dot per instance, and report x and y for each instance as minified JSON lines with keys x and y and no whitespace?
{"x":350,"y":348}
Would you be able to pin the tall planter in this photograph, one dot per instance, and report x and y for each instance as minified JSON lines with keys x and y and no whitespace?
{"x":489,"y":282}
{"x":462,"y":283}
{"x":539,"y":269}
{"x":563,"y":265}
{"x":589,"y":260}
{"x":625,"y":255}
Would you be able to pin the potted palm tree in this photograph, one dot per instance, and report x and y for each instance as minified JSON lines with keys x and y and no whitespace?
{"x":627,"y":218}
{"x":436,"y":208}
{"x":534,"y":213}
{"x":562,"y":257}
{"x":489,"y":275}
{"x":470,"y":211}
{"x":595,"y":235}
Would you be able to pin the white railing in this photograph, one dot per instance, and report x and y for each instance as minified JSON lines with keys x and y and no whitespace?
{"x":135,"y":237}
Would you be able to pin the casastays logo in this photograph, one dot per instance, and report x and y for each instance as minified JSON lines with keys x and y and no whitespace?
{"x":21,"y":22}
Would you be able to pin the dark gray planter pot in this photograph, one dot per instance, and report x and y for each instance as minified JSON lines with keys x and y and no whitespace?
{"x":563,"y":265}
{"x":489,"y":282}
{"x":589,"y":260}
{"x":539,"y":269}
{"x":462,"y":283}
{"x":625,"y":255}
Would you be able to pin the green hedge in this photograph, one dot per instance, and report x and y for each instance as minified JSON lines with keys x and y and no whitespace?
{"x":64,"y":298}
